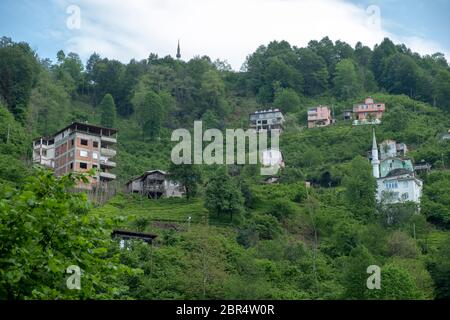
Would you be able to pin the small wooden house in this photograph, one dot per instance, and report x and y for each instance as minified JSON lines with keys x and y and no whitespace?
{"x":154,"y":184}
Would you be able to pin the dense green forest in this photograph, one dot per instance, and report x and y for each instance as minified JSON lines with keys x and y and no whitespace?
{"x":244,"y":239}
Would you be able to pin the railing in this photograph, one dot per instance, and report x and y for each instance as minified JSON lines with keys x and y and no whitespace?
{"x":108,"y":139}
{"x":107,"y":175}
{"x":107,"y":163}
{"x":108,"y":152}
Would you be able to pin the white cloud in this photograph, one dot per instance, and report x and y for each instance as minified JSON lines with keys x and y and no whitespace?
{"x":225,"y":29}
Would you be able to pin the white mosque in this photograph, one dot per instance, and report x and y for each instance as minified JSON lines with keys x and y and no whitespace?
{"x":396,"y":180}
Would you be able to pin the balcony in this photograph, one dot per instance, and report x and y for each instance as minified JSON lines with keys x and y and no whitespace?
{"x":154,"y":188}
{"x":43,"y":146}
{"x":107,"y":163}
{"x":110,"y":153}
{"x":107,"y":139}
{"x":107,"y":176}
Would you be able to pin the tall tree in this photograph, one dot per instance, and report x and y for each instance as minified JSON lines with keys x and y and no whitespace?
{"x":18,"y":75}
{"x":315,"y":72}
{"x":360,"y":188}
{"x":380,"y":54}
{"x":188,"y":175}
{"x":222,"y":195}
{"x":442,"y":89}
{"x":401,"y":75}
{"x":287,"y":100}
{"x":347,"y":84}
{"x":108,"y":111}
{"x":149,"y":113}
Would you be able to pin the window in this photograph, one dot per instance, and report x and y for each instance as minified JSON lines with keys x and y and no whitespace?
{"x":94,"y":166}
{"x":44,"y":153}
{"x":83,"y":165}
{"x":95,"y":144}
{"x":71,"y":165}
{"x":84,"y":142}
{"x":72,"y":142}
{"x":405,"y":196}
{"x":391,"y":185}
{"x":95,"y":155}
{"x":83,"y":153}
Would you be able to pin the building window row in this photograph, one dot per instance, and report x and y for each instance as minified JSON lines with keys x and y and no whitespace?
{"x":391,"y":184}
{"x":85,"y":142}
{"x":85,"y":154}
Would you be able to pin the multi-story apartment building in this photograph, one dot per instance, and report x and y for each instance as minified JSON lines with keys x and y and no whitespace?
{"x":271,"y":119}
{"x":79,"y":147}
{"x":368,"y":112}
{"x":319,"y":117}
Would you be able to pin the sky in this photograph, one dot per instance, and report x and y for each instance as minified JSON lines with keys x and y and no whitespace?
{"x":222,"y":29}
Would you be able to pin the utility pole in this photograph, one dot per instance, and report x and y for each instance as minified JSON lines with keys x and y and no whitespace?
{"x":414,"y":230}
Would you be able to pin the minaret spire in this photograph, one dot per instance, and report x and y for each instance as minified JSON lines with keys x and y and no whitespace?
{"x":375,"y":160}
{"x":178,"y":50}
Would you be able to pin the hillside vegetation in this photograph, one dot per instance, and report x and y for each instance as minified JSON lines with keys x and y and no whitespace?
{"x":235,"y":237}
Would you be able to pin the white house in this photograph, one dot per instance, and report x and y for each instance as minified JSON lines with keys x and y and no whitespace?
{"x":272,"y":157}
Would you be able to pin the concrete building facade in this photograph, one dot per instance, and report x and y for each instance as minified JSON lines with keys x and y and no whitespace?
{"x":79,"y":147}
{"x":369,"y":112}
{"x":319,"y":117}
{"x":271,"y":119}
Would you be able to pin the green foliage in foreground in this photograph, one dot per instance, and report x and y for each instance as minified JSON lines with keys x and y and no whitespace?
{"x":44,"y":229}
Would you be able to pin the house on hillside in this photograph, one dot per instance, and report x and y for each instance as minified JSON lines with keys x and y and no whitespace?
{"x":446,"y":136}
{"x":125,"y":236}
{"x":271,"y":119}
{"x":369,"y":112}
{"x":79,"y":147}
{"x":347,"y":114}
{"x":422,"y":167}
{"x":155,"y":184}
{"x":319,"y":117}
{"x":395,"y":176}
{"x":272,"y":157}
{"x":390,"y":148}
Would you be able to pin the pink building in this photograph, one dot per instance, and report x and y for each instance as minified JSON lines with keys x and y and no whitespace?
{"x":368,"y":111}
{"x":319,"y":117}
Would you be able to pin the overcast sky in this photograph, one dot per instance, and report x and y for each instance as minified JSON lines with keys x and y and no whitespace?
{"x":224,"y":29}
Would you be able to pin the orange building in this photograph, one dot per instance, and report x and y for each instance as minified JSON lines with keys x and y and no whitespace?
{"x":368,"y":112}
{"x":319,"y":117}
{"x":80,"y":147}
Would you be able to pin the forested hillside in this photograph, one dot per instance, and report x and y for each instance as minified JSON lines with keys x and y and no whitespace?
{"x":244,"y":239}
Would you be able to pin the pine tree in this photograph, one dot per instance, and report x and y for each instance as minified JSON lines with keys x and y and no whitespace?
{"x":108,"y":111}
